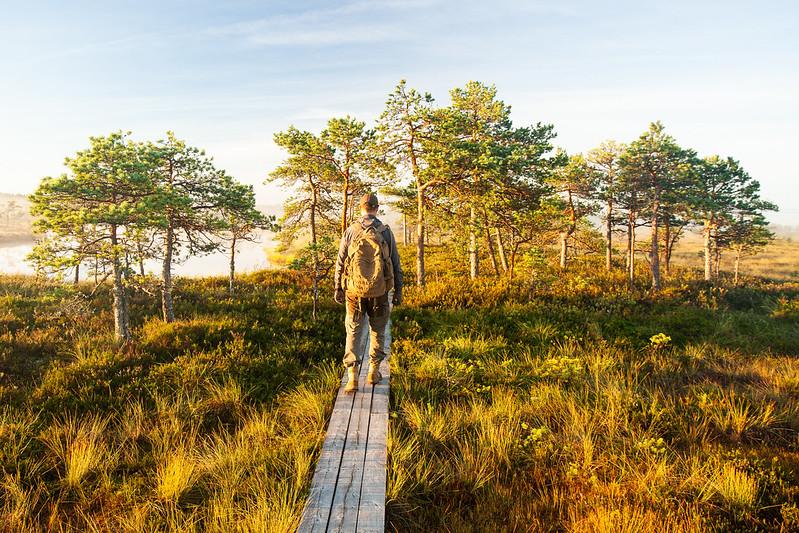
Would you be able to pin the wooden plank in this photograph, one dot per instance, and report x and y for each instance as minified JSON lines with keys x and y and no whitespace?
{"x":344,"y":514}
{"x":372,"y":508}
{"x":348,"y":491}
{"x":316,"y":514}
{"x":320,"y":498}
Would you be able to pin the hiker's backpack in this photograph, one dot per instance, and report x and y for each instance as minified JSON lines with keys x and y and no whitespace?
{"x":368,"y":271}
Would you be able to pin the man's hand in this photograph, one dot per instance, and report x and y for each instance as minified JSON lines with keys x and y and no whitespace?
{"x":396,"y":299}
{"x":338,"y":297}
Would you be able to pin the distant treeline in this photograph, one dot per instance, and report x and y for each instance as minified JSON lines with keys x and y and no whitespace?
{"x":15,"y":218}
{"x":504,"y":192}
{"x":489,"y":189}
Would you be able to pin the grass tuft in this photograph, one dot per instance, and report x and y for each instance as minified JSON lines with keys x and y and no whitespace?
{"x":176,"y":473}
{"x":79,"y":447}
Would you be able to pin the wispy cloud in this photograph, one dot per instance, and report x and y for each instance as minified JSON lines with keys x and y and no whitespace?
{"x":359,"y":22}
{"x":92,"y":47}
{"x":375,"y":21}
{"x":327,"y":37}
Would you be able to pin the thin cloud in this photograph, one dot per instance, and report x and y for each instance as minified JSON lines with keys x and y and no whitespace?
{"x":316,"y":37}
{"x":371,"y":22}
{"x":89,"y":48}
{"x":354,"y":23}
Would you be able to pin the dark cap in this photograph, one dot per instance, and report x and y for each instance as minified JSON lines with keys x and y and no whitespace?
{"x":369,"y":200}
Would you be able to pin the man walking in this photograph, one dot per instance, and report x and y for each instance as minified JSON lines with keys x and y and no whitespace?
{"x":367,"y":269}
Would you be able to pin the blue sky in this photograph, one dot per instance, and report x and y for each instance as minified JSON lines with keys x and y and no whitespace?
{"x":723,"y":76}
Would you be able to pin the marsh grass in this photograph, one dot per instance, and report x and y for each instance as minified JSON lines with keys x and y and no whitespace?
{"x":19,"y":505}
{"x":541,"y":404}
{"x":779,"y":260}
{"x":733,"y":487}
{"x":574,"y":408}
{"x":79,"y":447}
{"x":177,"y":471}
{"x":212,"y":423}
{"x":630,"y":518}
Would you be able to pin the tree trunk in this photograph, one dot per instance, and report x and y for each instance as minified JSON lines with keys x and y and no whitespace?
{"x":140,"y":250}
{"x":564,"y":243}
{"x":77,"y":274}
{"x":718,"y":261}
{"x":627,"y":254}
{"x":670,"y":244}
{"x":233,"y":264}
{"x":609,"y":236}
{"x":405,"y":229}
{"x":315,"y":285}
{"x":737,"y":264}
{"x":666,"y":248}
{"x":631,"y":254}
{"x":420,"y":281}
{"x":706,"y":247}
{"x":345,"y":201}
{"x":121,"y":316}
{"x":501,"y":247}
{"x":491,"y":252}
{"x":654,"y":256}
{"x":420,"y":233}
{"x":514,"y":249}
{"x":315,"y":255}
{"x":474,"y":260}
{"x":166,"y":290}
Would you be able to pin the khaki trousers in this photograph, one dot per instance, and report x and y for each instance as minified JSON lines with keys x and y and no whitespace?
{"x":360,"y":311}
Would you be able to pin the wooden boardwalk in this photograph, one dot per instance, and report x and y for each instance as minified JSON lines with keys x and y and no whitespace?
{"x":348,"y":491}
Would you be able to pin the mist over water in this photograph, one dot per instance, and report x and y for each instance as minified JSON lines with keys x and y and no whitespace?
{"x":12,"y":259}
{"x":251,"y":256}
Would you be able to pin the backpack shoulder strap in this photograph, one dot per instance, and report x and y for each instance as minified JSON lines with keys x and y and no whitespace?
{"x":357,"y":229}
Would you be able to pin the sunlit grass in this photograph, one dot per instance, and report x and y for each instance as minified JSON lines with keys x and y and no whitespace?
{"x":19,"y":503}
{"x":79,"y":446}
{"x":621,"y":431}
{"x":630,"y":518}
{"x":528,"y":405}
{"x":207,"y":424}
{"x":734,"y":487}
{"x":176,"y":473}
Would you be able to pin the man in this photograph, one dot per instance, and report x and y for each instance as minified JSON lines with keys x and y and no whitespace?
{"x":350,"y":282}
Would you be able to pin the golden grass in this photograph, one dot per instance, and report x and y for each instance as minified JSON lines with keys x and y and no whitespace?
{"x":176,"y":473}
{"x":19,"y":503}
{"x":779,"y":260}
{"x":630,"y":518}
{"x":79,"y":447}
{"x":629,"y":438}
{"x":733,"y":487}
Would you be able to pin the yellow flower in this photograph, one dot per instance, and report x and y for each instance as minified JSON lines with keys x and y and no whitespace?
{"x":661,"y":339}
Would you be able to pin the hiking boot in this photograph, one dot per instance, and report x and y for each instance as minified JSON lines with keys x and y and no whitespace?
{"x":352,"y":384}
{"x":374,"y":374}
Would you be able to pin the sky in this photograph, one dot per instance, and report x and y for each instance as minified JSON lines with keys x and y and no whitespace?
{"x":225,"y":76}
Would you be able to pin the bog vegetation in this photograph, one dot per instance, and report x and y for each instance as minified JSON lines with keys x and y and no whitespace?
{"x":208,"y":423}
{"x":587,"y":380}
{"x":554,"y":402}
